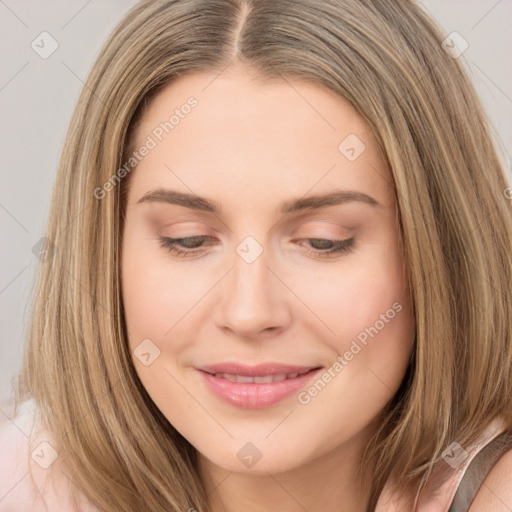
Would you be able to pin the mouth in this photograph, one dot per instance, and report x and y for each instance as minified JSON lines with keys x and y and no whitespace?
{"x":261,"y":379}
{"x":255,"y":387}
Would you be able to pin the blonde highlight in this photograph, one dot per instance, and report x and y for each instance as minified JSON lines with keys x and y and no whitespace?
{"x":449,"y":185}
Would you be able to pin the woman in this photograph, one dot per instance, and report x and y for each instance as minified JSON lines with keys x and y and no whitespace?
{"x":278,"y":272}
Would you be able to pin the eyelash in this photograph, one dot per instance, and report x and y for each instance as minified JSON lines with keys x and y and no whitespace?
{"x":340,"y":246}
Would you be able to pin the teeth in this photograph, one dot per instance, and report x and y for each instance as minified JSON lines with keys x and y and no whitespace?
{"x":264,"y":379}
{"x":244,"y":378}
{"x":226,"y":376}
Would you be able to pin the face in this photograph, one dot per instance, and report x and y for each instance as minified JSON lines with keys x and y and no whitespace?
{"x":264,"y":288}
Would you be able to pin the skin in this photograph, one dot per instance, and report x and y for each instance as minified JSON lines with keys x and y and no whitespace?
{"x":251,"y":145}
{"x":495,"y":494}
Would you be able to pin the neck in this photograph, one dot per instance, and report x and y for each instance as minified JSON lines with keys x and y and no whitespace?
{"x":330,"y":482}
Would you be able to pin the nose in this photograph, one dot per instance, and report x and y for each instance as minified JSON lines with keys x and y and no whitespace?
{"x":253,"y":301}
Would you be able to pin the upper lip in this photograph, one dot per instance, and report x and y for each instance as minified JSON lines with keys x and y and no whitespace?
{"x":259,"y":370}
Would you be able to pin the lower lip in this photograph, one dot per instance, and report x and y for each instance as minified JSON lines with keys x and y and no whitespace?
{"x":252,"y":395}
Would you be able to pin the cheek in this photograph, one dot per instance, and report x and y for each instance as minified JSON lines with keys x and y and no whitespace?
{"x":366,"y":306}
{"x":156,"y":295}
{"x":354,"y":295}
{"x":156,"y":298}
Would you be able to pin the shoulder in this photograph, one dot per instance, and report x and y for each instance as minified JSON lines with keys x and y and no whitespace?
{"x":15,"y":489}
{"x":495,"y":494}
{"x":31,"y":474}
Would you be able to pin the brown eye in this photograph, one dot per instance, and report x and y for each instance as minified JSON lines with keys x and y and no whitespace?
{"x":186,"y":245}
{"x":327,"y":247}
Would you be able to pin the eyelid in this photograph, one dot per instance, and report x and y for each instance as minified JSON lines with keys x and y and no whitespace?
{"x":184,"y":226}
{"x":339,"y":246}
{"x":323,"y":228}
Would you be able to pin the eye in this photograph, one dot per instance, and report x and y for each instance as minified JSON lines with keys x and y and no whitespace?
{"x":325,"y":247}
{"x":190,"y":245}
{"x":184,"y":246}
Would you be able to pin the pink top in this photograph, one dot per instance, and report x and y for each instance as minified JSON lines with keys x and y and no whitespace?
{"x":18,"y":492}
{"x":447,"y":474}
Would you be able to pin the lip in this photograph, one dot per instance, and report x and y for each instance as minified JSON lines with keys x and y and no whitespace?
{"x":252,"y":395}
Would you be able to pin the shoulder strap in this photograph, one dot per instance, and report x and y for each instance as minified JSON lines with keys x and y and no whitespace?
{"x":477,"y":470}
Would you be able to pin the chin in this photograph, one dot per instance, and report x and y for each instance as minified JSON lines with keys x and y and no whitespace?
{"x":257,"y":459}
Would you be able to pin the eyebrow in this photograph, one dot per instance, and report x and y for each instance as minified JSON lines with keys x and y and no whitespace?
{"x":315,"y":202}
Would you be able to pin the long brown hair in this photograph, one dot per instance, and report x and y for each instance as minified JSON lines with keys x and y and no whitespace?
{"x":385,"y":58}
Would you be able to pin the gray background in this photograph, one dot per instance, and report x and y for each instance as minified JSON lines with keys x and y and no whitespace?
{"x":37,"y":97}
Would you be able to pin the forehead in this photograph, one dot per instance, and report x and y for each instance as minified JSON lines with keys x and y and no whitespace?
{"x":273,"y":136}
{"x":240,"y":100}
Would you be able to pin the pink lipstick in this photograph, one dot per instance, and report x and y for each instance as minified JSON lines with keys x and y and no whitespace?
{"x":255,"y":387}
